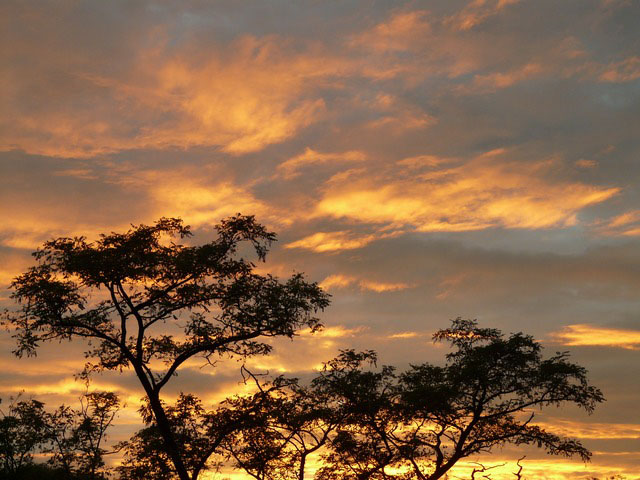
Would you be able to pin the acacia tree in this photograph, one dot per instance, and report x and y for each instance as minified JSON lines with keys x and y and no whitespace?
{"x":284,"y":423}
{"x":125,"y":292}
{"x":269,"y":434}
{"x":370,"y":423}
{"x":377,"y":424}
{"x":423,"y":421}
{"x":195,"y":429}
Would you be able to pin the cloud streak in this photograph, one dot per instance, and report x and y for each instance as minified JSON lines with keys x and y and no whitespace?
{"x":482,"y":193}
{"x":594,"y":336}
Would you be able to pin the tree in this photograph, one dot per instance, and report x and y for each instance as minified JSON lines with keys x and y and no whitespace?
{"x":197,"y":430}
{"x":129,"y":293}
{"x":283,"y":423}
{"x":374,"y":423}
{"x":71,"y":438}
{"x":76,"y":437}
{"x":22,"y":432}
{"x":423,"y":421}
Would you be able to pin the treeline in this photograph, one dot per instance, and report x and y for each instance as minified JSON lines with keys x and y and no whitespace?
{"x":363,"y":420}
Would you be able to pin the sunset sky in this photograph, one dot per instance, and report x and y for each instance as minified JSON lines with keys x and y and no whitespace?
{"x":422,"y":161}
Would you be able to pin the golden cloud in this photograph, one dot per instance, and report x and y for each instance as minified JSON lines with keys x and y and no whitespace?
{"x":344,"y":281}
{"x":200,"y":196}
{"x":261,"y":94}
{"x":504,"y":468}
{"x":182,"y":194}
{"x":405,"y":335}
{"x":602,"y":431}
{"x":28,"y":229}
{"x":291,"y":168}
{"x":484,"y":192}
{"x":589,"y":335}
{"x":337,"y":331}
{"x":625,"y":224}
{"x":332,"y":241}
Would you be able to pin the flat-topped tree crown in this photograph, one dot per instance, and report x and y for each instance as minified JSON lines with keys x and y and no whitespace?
{"x":121,"y":292}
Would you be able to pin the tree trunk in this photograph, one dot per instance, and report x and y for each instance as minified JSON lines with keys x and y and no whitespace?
{"x":163,"y":424}
{"x":169,"y":441}
{"x":303,"y":459}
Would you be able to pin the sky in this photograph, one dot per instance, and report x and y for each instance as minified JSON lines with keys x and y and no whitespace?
{"x":421,"y":160}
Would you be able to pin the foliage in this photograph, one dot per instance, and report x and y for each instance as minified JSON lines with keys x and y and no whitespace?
{"x":424,"y":420}
{"x":77,"y":437}
{"x":197,"y":431}
{"x":141,"y":300}
{"x":22,"y":431}
{"x":72,"y":439}
{"x":284,"y":423}
{"x":375,"y":423}
{"x":129,"y":293}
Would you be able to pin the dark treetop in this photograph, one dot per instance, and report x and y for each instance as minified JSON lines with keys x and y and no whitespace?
{"x":125,"y":291}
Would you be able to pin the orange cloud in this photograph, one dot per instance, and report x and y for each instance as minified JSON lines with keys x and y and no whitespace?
{"x":586,"y":163}
{"x":493,"y":81}
{"x":397,"y":34}
{"x":336,"y":281}
{"x":422,"y":161}
{"x":261,"y":94}
{"x":332,"y":241}
{"x":588,"y":335}
{"x":201,"y":197}
{"x":291,"y":168}
{"x":397,"y":115}
{"x":602,"y":431}
{"x":625,"y":224}
{"x":625,"y":70}
{"x":449,"y":284}
{"x":485,"y":192}
{"x":477,"y":11}
{"x":182,"y":194}
{"x":344,"y":281}
{"x":28,"y":229}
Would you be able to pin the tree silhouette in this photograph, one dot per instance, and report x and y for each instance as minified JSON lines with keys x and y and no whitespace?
{"x":424,"y":420}
{"x":140,"y":299}
{"x":374,"y":423}
{"x":72,"y":439}
{"x":283,"y":424}
{"x":129,"y":293}
{"x":76,"y":437}
{"x":22,"y":432}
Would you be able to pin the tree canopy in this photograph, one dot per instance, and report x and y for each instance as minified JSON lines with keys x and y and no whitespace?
{"x":379,"y":424}
{"x":142,"y":298}
{"x":369,"y":422}
{"x":124,"y":291}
